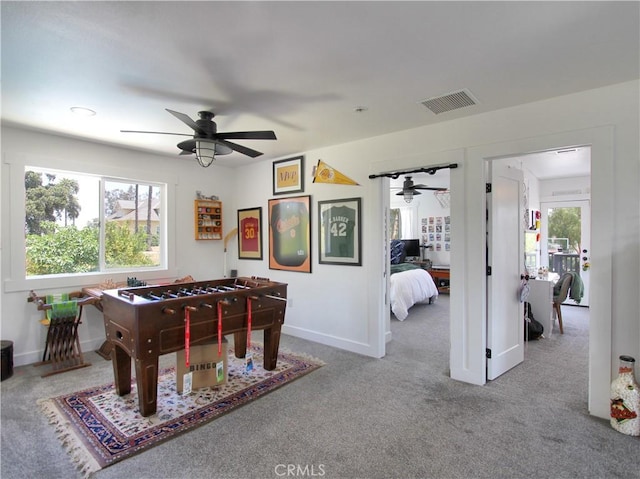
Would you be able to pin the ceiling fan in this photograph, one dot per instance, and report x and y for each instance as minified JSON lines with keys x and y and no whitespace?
{"x":207,"y":142}
{"x":409,"y":189}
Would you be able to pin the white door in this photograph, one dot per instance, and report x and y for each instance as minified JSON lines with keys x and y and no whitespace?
{"x":570,"y":250}
{"x":505,"y":257}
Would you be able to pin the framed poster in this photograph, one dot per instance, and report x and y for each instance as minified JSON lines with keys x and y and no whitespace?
{"x":339,"y":232}
{"x":288,"y":176}
{"x":250,"y":233}
{"x":290,"y":234}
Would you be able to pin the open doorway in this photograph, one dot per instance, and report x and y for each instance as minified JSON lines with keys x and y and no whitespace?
{"x":422,"y":220}
{"x":557,"y":224}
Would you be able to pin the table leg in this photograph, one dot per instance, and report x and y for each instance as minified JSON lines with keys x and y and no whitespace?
{"x":240,"y":343}
{"x":271,"y":345}
{"x":147,"y":382}
{"x":121,"y":370}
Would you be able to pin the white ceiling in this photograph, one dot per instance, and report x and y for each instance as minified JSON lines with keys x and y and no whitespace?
{"x":298,"y":68}
{"x":564,"y":163}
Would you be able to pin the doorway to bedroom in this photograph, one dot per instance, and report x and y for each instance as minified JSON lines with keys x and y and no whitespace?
{"x":420,"y":331}
{"x":419,"y":231}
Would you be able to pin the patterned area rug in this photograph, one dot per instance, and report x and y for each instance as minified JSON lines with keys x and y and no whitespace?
{"x":99,"y":428}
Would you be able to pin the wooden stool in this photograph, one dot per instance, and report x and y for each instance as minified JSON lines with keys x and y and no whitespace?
{"x":62,"y":347}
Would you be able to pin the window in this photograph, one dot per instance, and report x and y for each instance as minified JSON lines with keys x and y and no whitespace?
{"x":395,"y":224}
{"x":403,"y":222}
{"x":77,"y":223}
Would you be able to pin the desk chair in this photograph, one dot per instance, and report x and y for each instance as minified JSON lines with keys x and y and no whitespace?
{"x":558,"y":299}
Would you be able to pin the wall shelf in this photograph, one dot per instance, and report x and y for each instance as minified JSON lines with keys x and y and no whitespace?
{"x":208,"y":219}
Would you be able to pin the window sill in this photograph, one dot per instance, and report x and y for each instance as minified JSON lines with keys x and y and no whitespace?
{"x":84,"y":280}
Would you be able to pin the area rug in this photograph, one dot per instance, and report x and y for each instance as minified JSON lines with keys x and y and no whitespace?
{"x":99,"y":428}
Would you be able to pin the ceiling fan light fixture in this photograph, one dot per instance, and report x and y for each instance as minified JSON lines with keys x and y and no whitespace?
{"x":408,"y":195}
{"x":207,"y":150}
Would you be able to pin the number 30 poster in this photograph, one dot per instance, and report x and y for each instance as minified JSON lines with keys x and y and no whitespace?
{"x":250,"y":233}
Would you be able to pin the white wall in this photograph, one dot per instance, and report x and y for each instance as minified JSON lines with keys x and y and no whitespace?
{"x":565,"y":188}
{"x":345,"y":306}
{"x":331,"y":305}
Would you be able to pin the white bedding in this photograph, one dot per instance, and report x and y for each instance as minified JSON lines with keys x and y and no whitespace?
{"x":408,"y":288}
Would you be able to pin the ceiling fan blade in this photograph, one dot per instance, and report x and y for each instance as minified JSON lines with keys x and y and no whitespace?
{"x":239,"y":148}
{"x":247,"y":135}
{"x":155,"y":132}
{"x":432,"y":188}
{"x":186,"y":152}
{"x":188,"y":121}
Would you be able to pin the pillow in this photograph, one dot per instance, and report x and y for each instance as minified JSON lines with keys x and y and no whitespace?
{"x":397,"y":252}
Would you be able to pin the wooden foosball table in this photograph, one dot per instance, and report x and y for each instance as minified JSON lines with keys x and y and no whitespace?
{"x":144,"y":323}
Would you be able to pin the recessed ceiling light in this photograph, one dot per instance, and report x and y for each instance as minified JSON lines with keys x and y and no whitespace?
{"x":78,"y":110}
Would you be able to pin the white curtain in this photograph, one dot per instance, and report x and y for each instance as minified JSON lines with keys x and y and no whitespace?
{"x":409,"y":222}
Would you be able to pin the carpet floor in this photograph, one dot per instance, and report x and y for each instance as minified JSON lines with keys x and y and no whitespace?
{"x":99,"y":428}
{"x":399,"y":417}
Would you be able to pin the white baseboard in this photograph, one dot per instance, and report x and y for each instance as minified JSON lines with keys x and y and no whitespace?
{"x":31,"y":357}
{"x":340,"y":343}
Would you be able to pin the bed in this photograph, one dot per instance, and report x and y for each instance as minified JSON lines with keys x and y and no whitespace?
{"x":409,"y":284}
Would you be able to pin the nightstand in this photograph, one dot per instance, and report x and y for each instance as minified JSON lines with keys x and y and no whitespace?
{"x":441,"y":278}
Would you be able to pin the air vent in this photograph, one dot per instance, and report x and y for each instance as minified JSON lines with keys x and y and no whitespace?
{"x":451,"y":101}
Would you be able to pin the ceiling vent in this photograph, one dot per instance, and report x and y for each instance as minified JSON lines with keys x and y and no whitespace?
{"x":450,"y":101}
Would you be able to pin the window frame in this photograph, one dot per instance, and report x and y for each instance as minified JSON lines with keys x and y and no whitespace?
{"x":16,"y":279}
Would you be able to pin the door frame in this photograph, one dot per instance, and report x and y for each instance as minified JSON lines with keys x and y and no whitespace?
{"x":381,"y":198}
{"x":468,"y":349}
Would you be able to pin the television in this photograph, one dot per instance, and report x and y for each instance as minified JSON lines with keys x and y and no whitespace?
{"x":412,"y":248}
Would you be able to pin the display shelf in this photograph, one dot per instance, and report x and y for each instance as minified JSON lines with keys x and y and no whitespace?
{"x":208,"y":219}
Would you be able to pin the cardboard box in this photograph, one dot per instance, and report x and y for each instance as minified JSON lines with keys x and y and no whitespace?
{"x":203,"y":363}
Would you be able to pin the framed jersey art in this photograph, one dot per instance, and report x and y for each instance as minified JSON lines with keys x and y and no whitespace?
{"x":250,"y":233}
{"x":339,"y":231}
{"x":290,"y":234}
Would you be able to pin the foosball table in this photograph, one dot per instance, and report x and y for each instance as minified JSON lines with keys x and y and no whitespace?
{"x":143,"y":323}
